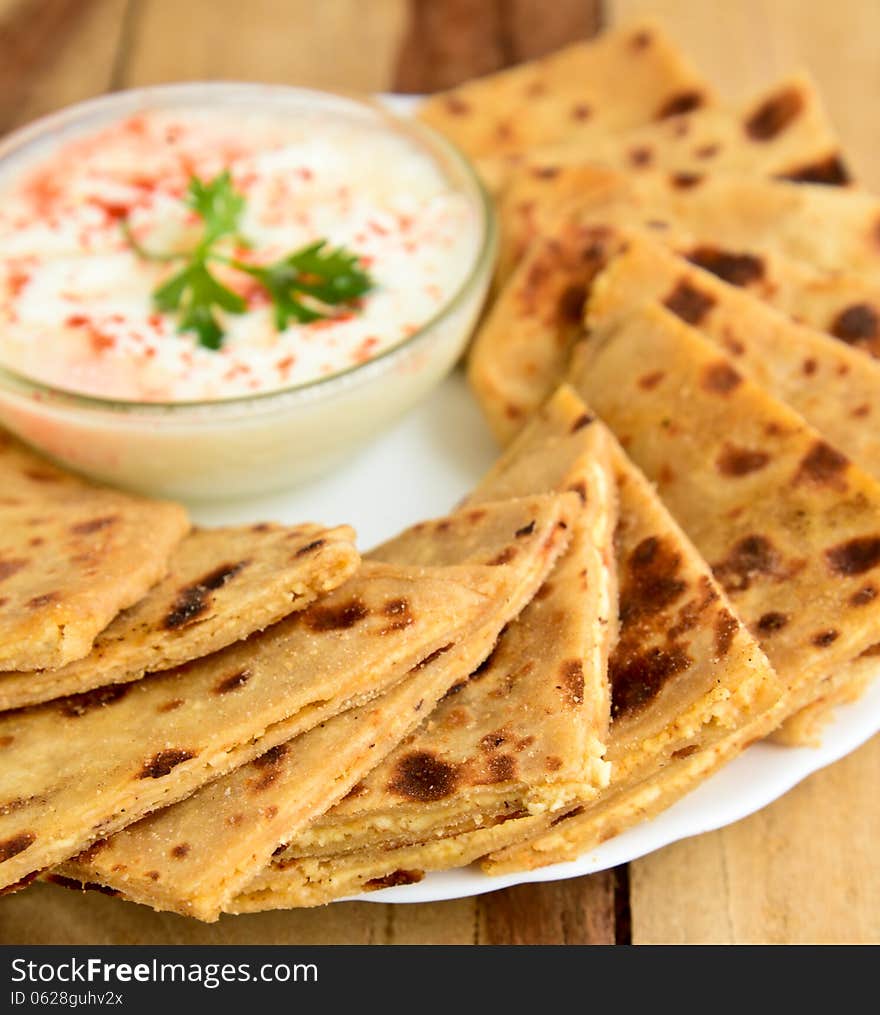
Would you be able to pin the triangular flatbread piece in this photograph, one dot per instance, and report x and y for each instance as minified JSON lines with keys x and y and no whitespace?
{"x":831,"y":229}
{"x":527,"y":731}
{"x":72,"y":555}
{"x":834,"y":387}
{"x":627,"y":804}
{"x":193,"y":857}
{"x":782,"y":132}
{"x":810,"y":252}
{"x":685,"y":676}
{"x":676,"y":718}
{"x":625,"y":77}
{"x":521,"y":351}
{"x":78,"y":769}
{"x":790,"y":527}
{"x":533,"y":205}
{"x":521,"y":844}
{"x":222,"y":585}
{"x":815,"y":281}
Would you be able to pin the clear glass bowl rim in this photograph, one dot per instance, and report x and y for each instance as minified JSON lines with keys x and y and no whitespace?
{"x":214,"y":91}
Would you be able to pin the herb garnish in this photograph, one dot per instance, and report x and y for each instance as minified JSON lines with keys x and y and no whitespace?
{"x":303,"y":286}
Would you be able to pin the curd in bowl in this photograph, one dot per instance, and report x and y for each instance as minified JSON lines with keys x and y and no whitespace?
{"x":95,"y":216}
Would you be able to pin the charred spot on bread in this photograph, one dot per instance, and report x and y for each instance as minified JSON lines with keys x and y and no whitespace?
{"x":681,"y":102}
{"x":854,"y":556}
{"x":337,"y":617}
{"x":193,"y":600}
{"x":423,"y":776}
{"x":161,"y":764}
{"x":731,"y":266}
{"x":774,"y":114}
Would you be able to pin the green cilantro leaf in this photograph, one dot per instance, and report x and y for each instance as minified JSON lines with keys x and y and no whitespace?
{"x":195,"y":292}
{"x":218,"y":205}
{"x":331,"y":276}
{"x":304,"y":286}
{"x":327,"y":277}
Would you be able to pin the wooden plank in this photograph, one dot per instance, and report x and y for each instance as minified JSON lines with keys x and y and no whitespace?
{"x":802,"y":870}
{"x":46,"y":914}
{"x":450,"y":41}
{"x":534,"y":27}
{"x":54,"y":52}
{"x":579,"y":911}
{"x":434,"y":923}
{"x":342,"y":45}
{"x":745,"y":45}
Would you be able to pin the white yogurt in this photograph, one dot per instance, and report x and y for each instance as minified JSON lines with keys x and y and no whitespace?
{"x":76,"y":308}
{"x":133,"y":402}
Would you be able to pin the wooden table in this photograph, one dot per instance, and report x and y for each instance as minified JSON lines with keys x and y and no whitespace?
{"x":805,"y":869}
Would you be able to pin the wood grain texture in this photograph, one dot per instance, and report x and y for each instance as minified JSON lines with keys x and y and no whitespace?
{"x":578,"y":911}
{"x":744,"y":45}
{"x":803,"y":870}
{"x":534,"y":29}
{"x":446,"y":43}
{"x":438,"y":923}
{"x":450,"y":41}
{"x":336,"y":44}
{"x":47,"y":914}
{"x":54,"y":52}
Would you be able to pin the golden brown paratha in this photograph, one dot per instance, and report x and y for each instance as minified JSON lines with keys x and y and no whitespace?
{"x":558,"y":452}
{"x":520,"y":844}
{"x":842,"y":687}
{"x":521,"y":351}
{"x":685,"y":676}
{"x":790,"y":527}
{"x":523,"y":843}
{"x":834,"y":387}
{"x":532,"y":205}
{"x":623,"y":78}
{"x":664,"y":740}
{"x":222,"y":585}
{"x":831,"y":229}
{"x":577,"y":832}
{"x":825,"y":295}
{"x":193,"y":857}
{"x":782,"y":132}
{"x":72,"y":555}
{"x":78,"y":769}
{"x":538,"y":720}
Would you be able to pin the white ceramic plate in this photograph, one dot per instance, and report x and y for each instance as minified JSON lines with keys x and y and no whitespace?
{"x":420,"y":469}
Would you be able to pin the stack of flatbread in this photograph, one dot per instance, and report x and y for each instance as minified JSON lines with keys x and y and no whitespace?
{"x":726,"y":239}
{"x":677,"y":553}
{"x":228,"y":687}
{"x":707,"y":278}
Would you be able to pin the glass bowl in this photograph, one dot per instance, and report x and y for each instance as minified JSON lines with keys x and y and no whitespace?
{"x":257,"y":444}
